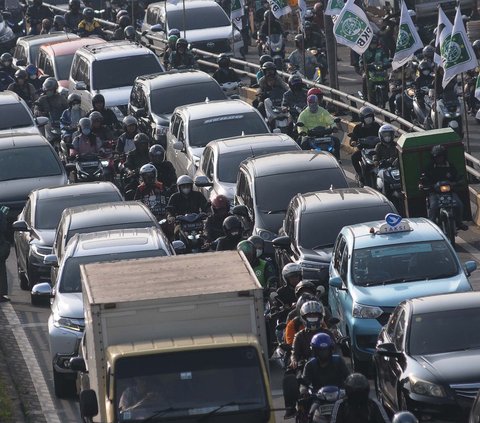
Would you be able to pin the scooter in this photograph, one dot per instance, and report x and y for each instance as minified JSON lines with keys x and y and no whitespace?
{"x":191,"y":231}
{"x":324,"y":402}
{"x":367,"y":148}
{"x":275,"y":46}
{"x":422,"y":105}
{"x":445,"y":218}
{"x":86,"y":168}
{"x":321,"y":71}
{"x":377,"y":73}
{"x":449,"y":109}
{"x":390,"y":184}
{"x":277,"y":116}
{"x":318,"y":139}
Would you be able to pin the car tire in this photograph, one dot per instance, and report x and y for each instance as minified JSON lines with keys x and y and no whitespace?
{"x":64,"y":386}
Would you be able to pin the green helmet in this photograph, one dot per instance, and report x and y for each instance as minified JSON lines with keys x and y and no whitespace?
{"x":248,"y":249}
{"x":172,"y":39}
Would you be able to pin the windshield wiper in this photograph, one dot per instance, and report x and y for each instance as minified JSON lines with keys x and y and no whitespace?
{"x":161,"y":413}
{"x":221,"y":407}
{"x":392,"y":281}
{"x":273,"y":211}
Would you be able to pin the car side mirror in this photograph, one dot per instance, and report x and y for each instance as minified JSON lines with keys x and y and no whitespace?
{"x":88,"y":404}
{"x":178,"y":145}
{"x":21,"y":62}
{"x":282,"y":242}
{"x":77,"y":364}
{"x":240,"y":210}
{"x":179,"y":247}
{"x":156,"y":28}
{"x":470,"y":267}
{"x":50,"y":260}
{"x":41,"y":294}
{"x":80,"y":86}
{"x":202,"y":181}
{"x":20,"y":226}
{"x":387,"y":349}
{"x":41,"y":121}
{"x":336,"y":282}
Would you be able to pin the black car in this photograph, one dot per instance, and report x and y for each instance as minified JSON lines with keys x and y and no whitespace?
{"x":36,"y":224}
{"x":154,"y":98}
{"x":427,"y":358}
{"x":314,"y":220}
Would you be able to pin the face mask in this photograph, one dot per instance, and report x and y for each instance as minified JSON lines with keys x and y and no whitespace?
{"x":234,"y":233}
{"x":323,"y":355}
{"x":76,"y":107}
{"x":33,"y":76}
{"x":313,"y":107}
{"x":86,"y":131}
{"x":387,"y":138}
{"x":368,"y":120}
{"x":186,"y":191}
{"x":426,"y":72}
{"x":259,"y":252}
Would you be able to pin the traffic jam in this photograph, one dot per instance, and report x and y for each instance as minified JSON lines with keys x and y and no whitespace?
{"x":239,"y":211}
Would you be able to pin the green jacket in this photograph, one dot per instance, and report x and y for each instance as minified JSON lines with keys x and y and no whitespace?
{"x":311,"y":120}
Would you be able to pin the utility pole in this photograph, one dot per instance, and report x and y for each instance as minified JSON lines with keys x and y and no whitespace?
{"x":331,"y":45}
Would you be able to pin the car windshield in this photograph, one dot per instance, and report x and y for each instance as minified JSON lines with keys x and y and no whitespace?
{"x":230,"y":378}
{"x":320,"y":230}
{"x":198,"y":18}
{"x":122,"y":71}
{"x":15,"y":115}
{"x":228,"y":164}
{"x":63,"y":64}
{"x":49,"y":210}
{"x":30,"y":162}
{"x":202,"y":131}
{"x":70,"y":275}
{"x":165,"y":100}
{"x":275,"y":200}
{"x":399,"y":263}
{"x":444,"y":331}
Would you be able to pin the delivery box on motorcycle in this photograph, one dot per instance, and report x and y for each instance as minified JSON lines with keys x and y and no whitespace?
{"x":191,"y":327}
{"x":414,"y":157}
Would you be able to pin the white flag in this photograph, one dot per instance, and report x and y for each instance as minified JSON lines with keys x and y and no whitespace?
{"x":334,"y":7}
{"x":444,"y":31}
{"x":408,"y":40}
{"x":279,"y":7}
{"x":352,"y":28}
{"x":302,"y":8}
{"x":477,"y":88}
{"x":459,"y":55}
{"x":236,"y":13}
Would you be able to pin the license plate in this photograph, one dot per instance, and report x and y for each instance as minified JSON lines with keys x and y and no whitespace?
{"x":89,"y":164}
{"x":192,"y":226}
{"x":326,"y":410}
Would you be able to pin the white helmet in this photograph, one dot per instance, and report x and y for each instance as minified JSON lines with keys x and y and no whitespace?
{"x":386,"y":133}
{"x":309,"y":308}
{"x":184,"y":180}
{"x":412,"y":13}
{"x":291,"y":269}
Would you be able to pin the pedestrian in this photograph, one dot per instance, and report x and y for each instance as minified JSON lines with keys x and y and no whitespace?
{"x":4,"y":253}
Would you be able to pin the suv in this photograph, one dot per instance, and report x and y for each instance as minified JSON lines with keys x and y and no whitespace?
{"x":110,"y":69}
{"x":66,"y":321}
{"x":155,"y":97}
{"x":193,"y":126}
{"x":17,"y":116}
{"x":207,"y":25}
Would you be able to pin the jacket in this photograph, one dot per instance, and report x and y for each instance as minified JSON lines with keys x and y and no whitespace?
{"x":69,"y":119}
{"x":125,"y":143}
{"x":301,"y":343}
{"x":333,"y":374}
{"x":153,"y":197}
{"x":296,"y":58}
{"x":25,"y":91}
{"x":228,"y":243}
{"x":371,"y":412}
{"x":225,"y":75}
{"x":362,"y":131}
{"x":85,"y":28}
{"x":82,"y":144}
{"x":297,"y":98}
{"x":109,"y":118}
{"x":274,"y":28}
{"x":72,"y":20}
{"x":264,"y":88}
{"x":213,"y":228}
{"x":193,"y":203}
{"x":435,"y":173}
{"x":37,"y":13}
{"x":384,"y":152}
{"x":311,"y":120}
{"x":179,"y":60}
{"x":135,"y":160}
{"x":166,"y":173}
{"x":51,"y":107}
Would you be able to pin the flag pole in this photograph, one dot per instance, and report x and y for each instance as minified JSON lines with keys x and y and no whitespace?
{"x":435,"y":88}
{"x":467,"y":131}
{"x":366,"y":79}
{"x":403,"y":92}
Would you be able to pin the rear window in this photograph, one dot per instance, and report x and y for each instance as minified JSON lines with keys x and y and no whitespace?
{"x":15,"y":115}
{"x":62,"y":65}
{"x":198,"y":18}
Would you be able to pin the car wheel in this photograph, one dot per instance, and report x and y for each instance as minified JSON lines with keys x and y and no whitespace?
{"x":64,"y":385}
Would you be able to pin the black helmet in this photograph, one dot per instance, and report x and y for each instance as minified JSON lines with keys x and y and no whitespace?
{"x":156,"y":153}
{"x":438,"y":150}
{"x":21,"y":74}
{"x":124,"y":21}
{"x":428,"y":52}
{"x":74,"y":4}
{"x":148,"y":173}
{"x":88,"y":13}
{"x":141,"y":139}
{"x":304,"y":286}
{"x":223,"y":60}
{"x":248,"y":249}
{"x":357,"y":388}
{"x":181,"y":42}
{"x":269,"y":68}
{"x":295,"y":80}
{"x":232,"y":226}
{"x":404,"y":417}
{"x":366,"y":111}
{"x":119,"y":14}
{"x":264,"y":59}
{"x":130,"y":33}
{"x":58,"y":20}
{"x":259,"y":244}
{"x":50,"y":84}
{"x":85,"y":123}
{"x":98,"y":98}
{"x":96,"y":117}
{"x":74,"y":98}
{"x":6,"y":57}
{"x":129,"y":120}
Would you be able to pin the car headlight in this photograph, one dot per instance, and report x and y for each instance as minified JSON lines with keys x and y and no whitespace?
{"x":76,"y":325}
{"x":361,"y":311}
{"x":422,"y":387}
{"x":161,"y":130}
{"x":41,"y":250}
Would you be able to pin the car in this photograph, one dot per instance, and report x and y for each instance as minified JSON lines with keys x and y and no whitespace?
{"x":313,"y":221}
{"x":427,"y":358}
{"x":221,"y":159}
{"x":66,"y":321}
{"x":27,"y":162}
{"x":475,"y":411}
{"x":155,"y":97}
{"x":27,"y":48}
{"x":96,"y":218}
{"x":266,"y":184}
{"x":17,"y":118}
{"x":56,"y":59}
{"x":35,"y":227}
{"x":207,"y":27}
{"x":193,"y":126}
{"x":110,"y":69}
{"x":376,"y":265}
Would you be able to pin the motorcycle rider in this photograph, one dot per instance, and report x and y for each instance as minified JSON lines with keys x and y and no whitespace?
{"x":373,"y":55}
{"x":366,"y":128}
{"x":260,"y":247}
{"x":109,"y":118}
{"x":35,"y":14}
{"x":122,"y":23}
{"x":314,"y":116}
{"x":357,"y":406}
{"x":395,"y":80}
{"x":165,"y":170}
{"x":440,"y":169}
{"x":296,"y":96}
{"x":58,"y":23}
{"x":130,"y":34}
{"x":318,"y":18}
{"x":125,"y":142}
{"x":312,"y":39}
{"x":268,"y":83}
{"x":225,"y":73}
{"x":6,"y":65}
{"x":404,"y":417}
{"x":51,"y":104}
{"x":214,"y":223}
{"x":291,"y":276}
{"x":263,"y":59}
{"x":181,"y":58}
{"x":173,"y":36}
{"x":73,"y":17}
{"x":301,"y":59}
{"x":151,"y":192}
{"x":71,"y":116}
{"x":269,"y":26}
{"x":385,"y":152}
{"x":140,"y":155}
{"x":263,"y":270}
{"x":233,"y":230}
{"x":428,"y":54}
{"x":46,"y":27}
{"x":23,"y":88}
{"x":85,"y":142}
{"x":186,"y":200}
{"x":89,"y":25}
{"x":32,"y":72}
{"x":425,"y":77}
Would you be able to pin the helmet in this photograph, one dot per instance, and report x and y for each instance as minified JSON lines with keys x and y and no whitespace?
{"x":181,"y":42}
{"x":304,"y":298}
{"x":312,"y":307}
{"x":366,"y":111}
{"x":322,"y":345}
{"x":88,"y":13}
{"x":304,"y":286}
{"x":220,"y":202}
{"x":31,"y":70}
{"x":148,"y":173}
{"x":119,"y":14}
{"x":85,"y":123}
{"x":130,"y":33}
{"x":96,"y":117}
{"x":357,"y":388}
{"x":129,"y":120}
{"x":424,"y":65}
{"x":317,"y":7}
{"x":58,"y":20}
{"x":75,"y":98}
{"x":291,"y":269}
{"x":124,"y":21}
{"x":316,"y":91}
{"x":428,"y":52}
{"x":232,"y":226}
{"x":223,"y":60}
{"x":21,"y":74}
{"x":404,"y":417}
{"x":156,"y":153}
{"x":476,"y":44}
{"x":248,"y":249}
{"x":6,"y":57}
{"x":184,"y":180}
{"x":386,"y":133}
{"x":259,"y":244}
{"x":46,"y":23}
{"x":312,"y":99}
{"x":50,"y":84}
{"x":412,"y":13}
{"x":172,"y":39}
{"x":264,"y":59}
{"x":308,"y":15}
{"x":294,"y":80}
{"x":139,"y":138}
{"x":438,"y":150}
{"x":74,"y":4}
{"x":269,"y":66}
{"x":174,"y":31}
{"x":98,"y":98}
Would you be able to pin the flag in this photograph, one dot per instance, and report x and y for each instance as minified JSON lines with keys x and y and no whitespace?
{"x":408,"y":40}
{"x":459,"y":55}
{"x":279,"y":7}
{"x":477,"y":87}
{"x":444,"y":30}
{"x":334,"y":7}
{"x":236,"y":13}
{"x":352,"y":28}
{"x":302,"y":8}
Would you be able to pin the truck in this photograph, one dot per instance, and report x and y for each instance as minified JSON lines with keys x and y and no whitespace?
{"x":173,"y":338}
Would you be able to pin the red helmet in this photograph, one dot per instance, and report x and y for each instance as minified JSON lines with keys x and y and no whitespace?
{"x":315,"y":91}
{"x":220,"y":202}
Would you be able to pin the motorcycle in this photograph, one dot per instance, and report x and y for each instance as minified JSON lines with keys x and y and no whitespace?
{"x":317,"y":139}
{"x":274,"y":46}
{"x":53,"y":133}
{"x":191,"y":231}
{"x":231,"y":89}
{"x":377,"y":74}
{"x":367,"y":148}
{"x":86,"y":168}
{"x":321,"y":71}
{"x":277,"y":116}
{"x":445,"y":218}
{"x":324,"y":402}
{"x":449,"y":109}
{"x":390,"y":183}
{"x":422,"y":105}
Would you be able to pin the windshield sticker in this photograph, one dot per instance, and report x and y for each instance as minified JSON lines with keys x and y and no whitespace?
{"x":222,"y":118}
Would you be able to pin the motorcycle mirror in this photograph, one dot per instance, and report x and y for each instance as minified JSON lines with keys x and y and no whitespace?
{"x":320,"y":290}
{"x":273,"y":295}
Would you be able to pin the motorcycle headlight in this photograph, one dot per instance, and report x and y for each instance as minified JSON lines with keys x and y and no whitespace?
{"x":161,"y":130}
{"x":422,"y":387}
{"x":105,"y":163}
{"x":361,"y":311}
{"x":77,"y":325}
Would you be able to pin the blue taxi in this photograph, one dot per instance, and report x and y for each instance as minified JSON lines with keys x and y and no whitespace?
{"x":377,"y":265}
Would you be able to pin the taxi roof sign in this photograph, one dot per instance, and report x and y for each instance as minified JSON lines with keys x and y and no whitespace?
{"x":393,"y":223}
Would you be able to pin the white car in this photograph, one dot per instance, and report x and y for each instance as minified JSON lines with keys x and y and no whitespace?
{"x":17,"y":118}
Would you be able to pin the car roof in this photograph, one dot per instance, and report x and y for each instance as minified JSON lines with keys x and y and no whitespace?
{"x":47,"y":38}
{"x":175,"y":77}
{"x":252,"y":142}
{"x":189,"y":4}
{"x":214,"y":108}
{"x":445,"y":302}
{"x":9,"y":97}
{"x":340,"y":199}
{"x":107,"y":214}
{"x":118,"y":241}
{"x":19,"y":140}
{"x":68,"y":47}
{"x":290,"y":161}
{"x":115,"y":49}
{"x":75,"y":190}
{"x":422,"y":230}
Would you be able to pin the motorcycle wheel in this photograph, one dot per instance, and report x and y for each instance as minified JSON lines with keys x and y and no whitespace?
{"x":448,"y":227}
